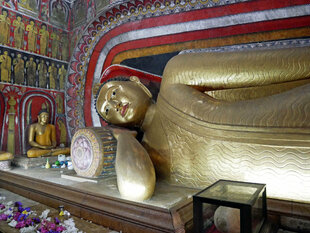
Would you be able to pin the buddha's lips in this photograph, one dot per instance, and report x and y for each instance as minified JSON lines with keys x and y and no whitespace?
{"x":124,"y":108}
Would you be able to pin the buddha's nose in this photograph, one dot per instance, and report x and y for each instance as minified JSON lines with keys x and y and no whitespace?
{"x":116,"y":104}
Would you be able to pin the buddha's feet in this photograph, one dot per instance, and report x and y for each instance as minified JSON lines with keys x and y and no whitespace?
{"x":37,"y":152}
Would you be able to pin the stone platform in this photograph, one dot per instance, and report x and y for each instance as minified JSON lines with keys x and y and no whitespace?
{"x":26,"y":163}
{"x":169,"y":210}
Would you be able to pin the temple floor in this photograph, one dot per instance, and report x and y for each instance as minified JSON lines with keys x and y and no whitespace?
{"x":81,"y":224}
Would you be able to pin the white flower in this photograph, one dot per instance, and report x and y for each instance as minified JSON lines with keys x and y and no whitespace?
{"x":44,"y":214}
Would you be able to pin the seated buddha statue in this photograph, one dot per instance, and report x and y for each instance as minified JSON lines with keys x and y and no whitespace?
{"x":240,"y":115}
{"x":42,"y":138}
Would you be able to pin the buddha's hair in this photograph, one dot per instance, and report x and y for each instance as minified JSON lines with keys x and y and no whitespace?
{"x":43,"y":111}
{"x":120,"y":78}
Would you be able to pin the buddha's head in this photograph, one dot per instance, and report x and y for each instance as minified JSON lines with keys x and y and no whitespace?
{"x":43,"y":117}
{"x":124,"y":103}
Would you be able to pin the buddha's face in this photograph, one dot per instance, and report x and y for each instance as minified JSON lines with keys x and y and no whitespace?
{"x":123,"y":103}
{"x":43,"y":118}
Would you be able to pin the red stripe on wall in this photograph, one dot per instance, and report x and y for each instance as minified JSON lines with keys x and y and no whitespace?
{"x":208,"y":34}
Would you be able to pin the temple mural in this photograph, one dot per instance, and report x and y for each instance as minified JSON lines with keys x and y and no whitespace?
{"x":36,"y":41}
{"x":25,"y":69}
{"x":21,"y":110}
{"x":28,"y":34}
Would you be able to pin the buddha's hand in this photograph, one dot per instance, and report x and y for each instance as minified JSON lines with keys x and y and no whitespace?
{"x":47,"y":147}
{"x":118,"y":131}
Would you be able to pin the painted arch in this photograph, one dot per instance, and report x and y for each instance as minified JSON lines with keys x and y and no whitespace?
{"x":140,"y":28}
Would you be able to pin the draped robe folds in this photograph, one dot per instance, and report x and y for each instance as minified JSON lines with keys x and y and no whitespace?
{"x":238,"y":116}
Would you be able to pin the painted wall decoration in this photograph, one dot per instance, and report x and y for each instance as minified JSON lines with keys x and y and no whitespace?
{"x":138,"y":29}
{"x":35,"y":46}
{"x":19,"y":108}
{"x":25,"y":33}
{"x":31,"y":7}
{"x":21,"y":68}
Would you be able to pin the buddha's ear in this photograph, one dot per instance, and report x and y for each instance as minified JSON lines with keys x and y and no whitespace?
{"x":144,"y":88}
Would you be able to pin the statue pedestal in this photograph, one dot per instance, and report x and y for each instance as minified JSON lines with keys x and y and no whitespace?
{"x":169,"y":210}
{"x":26,"y":163}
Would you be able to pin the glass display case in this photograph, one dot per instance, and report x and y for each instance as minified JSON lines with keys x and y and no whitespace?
{"x":230,"y":207}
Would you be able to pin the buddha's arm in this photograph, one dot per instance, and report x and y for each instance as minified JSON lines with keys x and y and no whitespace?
{"x":225,"y":70}
{"x":236,"y":71}
{"x":134,"y":168}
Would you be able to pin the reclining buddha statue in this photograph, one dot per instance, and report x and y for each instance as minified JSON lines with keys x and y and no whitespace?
{"x":42,"y":138}
{"x":242,"y":115}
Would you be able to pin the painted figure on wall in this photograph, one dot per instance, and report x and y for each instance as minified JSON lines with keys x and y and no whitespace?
{"x":55,"y":43}
{"x":31,"y":67}
{"x":62,"y":74}
{"x":5,"y":24}
{"x":19,"y":74}
{"x":42,"y":70}
{"x":44,"y":37}
{"x":64,"y":47}
{"x":52,"y":70}
{"x":6,"y":63}
{"x":32,"y":36}
{"x":31,"y":5}
{"x":19,"y":32}
{"x":63,"y":132}
{"x":9,"y":3}
{"x":59,"y":13}
{"x":91,"y":11}
{"x":42,"y":138}
{"x":44,"y":11}
{"x":24,"y":4}
{"x":60,"y":104}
